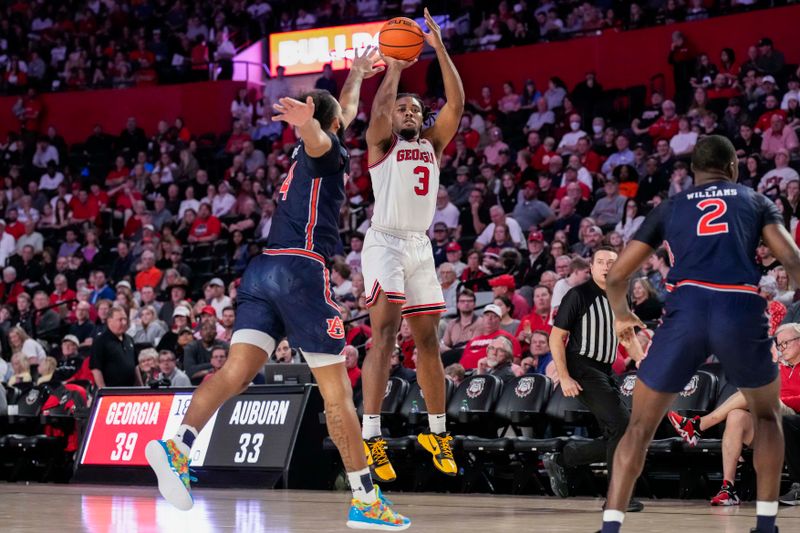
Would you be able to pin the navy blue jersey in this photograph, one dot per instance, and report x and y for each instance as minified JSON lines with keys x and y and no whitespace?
{"x":309,"y":201}
{"x":711,"y":232}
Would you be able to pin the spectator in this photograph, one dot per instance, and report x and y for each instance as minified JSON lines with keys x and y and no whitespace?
{"x":666,"y":126}
{"x":21,"y":369}
{"x":682,"y":143}
{"x":445,"y":212}
{"x":219,"y":355}
{"x":498,"y":357}
{"x":83,"y":329}
{"x":579,"y":273}
{"x":448,"y":281}
{"x":630,"y":222}
{"x":608,"y":210}
{"x":351,"y":364}
{"x":453,"y":254}
{"x":398,"y":369}
{"x":592,"y":239}
{"x":169,"y":370}
{"x":148,"y":366}
{"x":31,"y":237}
{"x":507,"y":323}
{"x":738,"y":421}
{"x":465,"y":325}
{"x":218,"y":301}
{"x":644,"y":301}
{"x":326,"y":81}
{"x":476,"y":347}
{"x":148,"y":273}
{"x":505,"y":286}
{"x":531,"y":213}
{"x":353,"y":259}
{"x":779,"y":137}
{"x":70,"y":245}
{"x":659,"y":265}
{"x":206,"y":227}
{"x":769,"y":60}
{"x":197,"y":355}
{"x":7,"y":243}
{"x":227,"y":321}
{"x":540,"y":360}
{"x":102,"y":291}
{"x":150,"y":329}
{"x":455,"y":373}
{"x":112,"y":361}
{"x":46,"y":321}
{"x":499,"y":217}
{"x":539,"y":317}
{"x":283,"y":353}
{"x":623,"y":155}
{"x":491,"y":152}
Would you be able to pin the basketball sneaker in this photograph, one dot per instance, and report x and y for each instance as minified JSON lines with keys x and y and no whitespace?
{"x":687,"y":428}
{"x":378,"y":461}
{"x":440,"y":446}
{"x":376,"y":516}
{"x":171,"y":467}
{"x":726,"y":496}
{"x":792,"y":497}
{"x":559,"y":481}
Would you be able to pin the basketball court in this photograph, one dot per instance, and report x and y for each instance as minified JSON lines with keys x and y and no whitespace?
{"x":113,"y":509}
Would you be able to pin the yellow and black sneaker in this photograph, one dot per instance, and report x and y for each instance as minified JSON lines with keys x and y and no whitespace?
{"x":440,"y":446}
{"x":375,"y":450}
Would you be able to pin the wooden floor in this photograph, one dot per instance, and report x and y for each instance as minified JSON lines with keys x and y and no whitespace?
{"x":114,"y":509}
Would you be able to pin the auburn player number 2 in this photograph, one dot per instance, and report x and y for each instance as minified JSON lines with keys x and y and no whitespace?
{"x":707,"y":226}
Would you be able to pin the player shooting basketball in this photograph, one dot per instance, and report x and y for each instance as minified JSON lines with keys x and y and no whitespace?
{"x":398,"y":265}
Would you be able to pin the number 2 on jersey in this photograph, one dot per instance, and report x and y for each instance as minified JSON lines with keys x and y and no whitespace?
{"x":424,"y":175}
{"x":707,"y":226}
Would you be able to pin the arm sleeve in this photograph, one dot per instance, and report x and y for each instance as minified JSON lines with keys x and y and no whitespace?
{"x":769,"y":211}
{"x":569,"y":311}
{"x":651,"y":231}
{"x":330,"y":162}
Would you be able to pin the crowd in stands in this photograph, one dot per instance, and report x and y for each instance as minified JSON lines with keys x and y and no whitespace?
{"x":77,"y":44}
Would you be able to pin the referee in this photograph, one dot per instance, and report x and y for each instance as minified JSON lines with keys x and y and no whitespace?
{"x":584,"y":368}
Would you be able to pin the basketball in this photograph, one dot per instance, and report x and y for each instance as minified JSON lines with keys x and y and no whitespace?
{"x":401,"y":38}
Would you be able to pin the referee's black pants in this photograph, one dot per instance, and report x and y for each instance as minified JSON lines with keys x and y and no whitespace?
{"x":601,"y":396}
{"x":791,"y":435}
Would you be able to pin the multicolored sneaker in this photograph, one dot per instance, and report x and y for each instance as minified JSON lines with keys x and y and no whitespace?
{"x":726,"y":496}
{"x":172,"y":470}
{"x":378,"y":461}
{"x":376,"y":516}
{"x":792,"y":497}
{"x":687,"y":428}
{"x":381,"y":496}
{"x":440,"y":446}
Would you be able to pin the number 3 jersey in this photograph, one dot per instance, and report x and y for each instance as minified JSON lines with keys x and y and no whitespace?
{"x":711,"y":233}
{"x":405,"y":182}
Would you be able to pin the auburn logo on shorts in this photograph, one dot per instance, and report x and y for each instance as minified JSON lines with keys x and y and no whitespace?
{"x":335,"y":328}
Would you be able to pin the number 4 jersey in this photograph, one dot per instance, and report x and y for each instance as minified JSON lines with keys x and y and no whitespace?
{"x":711,"y":233}
{"x":405,"y":182}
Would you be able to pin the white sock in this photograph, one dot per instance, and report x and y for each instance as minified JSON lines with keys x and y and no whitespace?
{"x":766,"y":508}
{"x":370,"y":426}
{"x":362,"y":487}
{"x":613,"y":516}
{"x":438,"y":423}
{"x":184,"y":438}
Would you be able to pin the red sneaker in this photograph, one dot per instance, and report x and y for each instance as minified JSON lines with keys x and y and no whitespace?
{"x":687,"y":428}
{"x":726,"y":496}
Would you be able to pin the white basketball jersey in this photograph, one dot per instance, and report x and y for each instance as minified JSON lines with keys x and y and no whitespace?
{"x":405,"y":183}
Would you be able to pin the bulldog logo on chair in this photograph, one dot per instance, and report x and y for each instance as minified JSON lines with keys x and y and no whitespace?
{"x":524,"y":387}
{"x":691,"y":387}
{"x":627,"y":385}
{"x":476,"y":387}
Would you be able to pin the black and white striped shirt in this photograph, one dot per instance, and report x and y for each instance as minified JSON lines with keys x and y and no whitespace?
{"x":586,"y":314}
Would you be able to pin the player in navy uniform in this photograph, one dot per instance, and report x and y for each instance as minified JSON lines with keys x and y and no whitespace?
{"x":711,"y":232}
{"x":286,"y":292}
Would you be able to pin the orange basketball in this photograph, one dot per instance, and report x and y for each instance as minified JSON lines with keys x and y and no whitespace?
{"x":401,"y":38}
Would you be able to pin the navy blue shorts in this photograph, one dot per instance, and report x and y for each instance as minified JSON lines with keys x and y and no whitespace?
{"x":700,"y":322}
{"x":287,"y":293}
